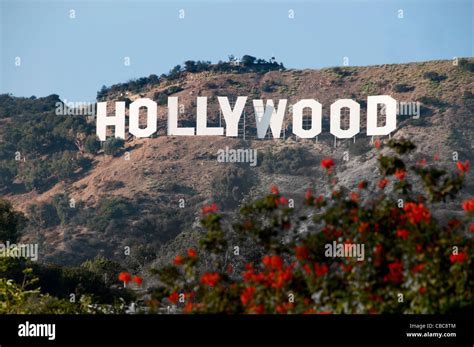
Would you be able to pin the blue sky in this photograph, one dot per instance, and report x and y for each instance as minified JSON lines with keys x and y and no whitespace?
{"x":75,"y":57}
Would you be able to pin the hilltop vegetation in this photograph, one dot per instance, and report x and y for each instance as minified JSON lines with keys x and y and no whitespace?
{"x":84,"y":198}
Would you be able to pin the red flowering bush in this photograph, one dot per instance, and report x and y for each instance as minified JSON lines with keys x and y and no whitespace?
{"x":411,"y":262}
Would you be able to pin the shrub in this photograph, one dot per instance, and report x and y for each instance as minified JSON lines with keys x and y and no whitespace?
{"x":408,"y":251}
{"x":466,"y":65}
{"x":298,"y":160}
{"x":432,"y":101}
{"x":113,"y":146}
{"x":403,"y":88}
{"x":36,"y":175}
{"x":11,"y":222}
{"x":230,"y":187}
{"x":92,"y":144}
{"x":434,"y":76}
{"x":64,"y":164}
{"x":109,"y":209}
{"x":7,"y":174}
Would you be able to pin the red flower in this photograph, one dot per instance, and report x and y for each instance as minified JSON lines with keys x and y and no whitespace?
{"x":309,"y":194}
{"x":471,"y":228}
{"x":188,"y":308}
{"x":319,"y":199}
{"x":307,"y":269}
{"x":277,"y":262}
{"x":174,"y":297}
{"x":378,"y":249}
{"x":382,"y":183}
{"x":267,"y":261}
{"x":283,"y":308}
{"x":377,"y":143}
{"x":395,"y":274}
{"x":178,"y":260}
{"x":320,"y":270}
{"x":468,"y":205}
{"x":463,"y":167}
{"x":422,"y":290}
{"x":421,"y":162}
{"x":436,"y":157}
{"x":192,"y":253}
{"x":209,"y":209}
{"x":354,"y":196}
{"x":283,"y":200}
{"x":259,"y":309}
{"x":138,"y":280}
{"x":417,"y":213}
{"x":363,"y":227}
{"x":403,"y":234}
{"x":419,"y":248}
{"x":210,"y":279}
{"x":274,"y":190}
{"x":247,"y":295}
{"x":362,"y":185}
{"x":458,"y":258}
{"x":125,"y":277}
{"x":400,"y":174}
{"x":327,"y":163}
{"x":301,"y":252}
{"x":418,"y":268}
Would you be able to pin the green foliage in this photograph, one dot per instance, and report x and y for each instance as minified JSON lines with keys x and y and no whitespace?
{"x":92,"y":144}
{"x":11,"y":222}
{"x":434,"y":76}
{"x":229,"y":187}
{"x":13,"y":106}
{"x":8,"y":172}
{"x":407,"y":251}
{"x":108,"y":210}
{"x":61,"y":204}
{"x":42,"y":215}
{"x":466,"y":65}
{"x":36,"y":175}
{"x":45,"y":142}
{"x":432,"y":101}
{"x":342,"y":72}
{"x":113,"y":146}
{"x":403,"y":88}
{"x":27,"y":288}
{"x":294,"y":160}
{"x":64,"y":165}
{"x":401,"y":146}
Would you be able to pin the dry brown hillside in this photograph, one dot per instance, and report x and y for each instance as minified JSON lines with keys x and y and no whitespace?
{"x":162,"y":170}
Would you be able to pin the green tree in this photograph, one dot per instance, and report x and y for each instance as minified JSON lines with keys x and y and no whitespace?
{"x":113,"y":146}
{"x":11,"y":222}
{"x":248,"y":60}
{"x":92,"y":144}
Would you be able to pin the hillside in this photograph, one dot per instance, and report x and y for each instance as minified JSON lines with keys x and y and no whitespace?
{"x":136,"y":202}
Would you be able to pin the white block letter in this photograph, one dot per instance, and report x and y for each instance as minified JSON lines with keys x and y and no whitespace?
{"x":354,"y":118}
{"x":134,"y":116}
{"x":390,"y":115}
{"x":202,"y":128}
{"x":232,"y":117}
{"x":316,"y":111}
{"x":173,"y":120}
{"x":103,"y":121}
{"x":267,"y":115}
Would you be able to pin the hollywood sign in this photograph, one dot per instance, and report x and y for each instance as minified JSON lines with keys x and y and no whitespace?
{"x":265,"y":116}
